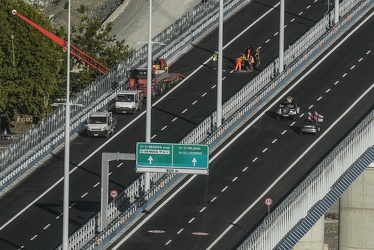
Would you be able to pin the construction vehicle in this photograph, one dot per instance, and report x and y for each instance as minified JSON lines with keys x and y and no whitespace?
{"x":79,"y":54}
{"x":100,"y":124}
{"x":128,"y":101}
{"x":162,"y":80}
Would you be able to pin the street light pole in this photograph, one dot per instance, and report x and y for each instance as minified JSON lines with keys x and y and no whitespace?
{"x":65,"y":234}
{"x":281,"y":37}
{"x":219,"y":68}
{"x":149,"y":92}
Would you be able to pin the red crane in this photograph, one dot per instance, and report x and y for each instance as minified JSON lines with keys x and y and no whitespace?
{"x":73,"y":50}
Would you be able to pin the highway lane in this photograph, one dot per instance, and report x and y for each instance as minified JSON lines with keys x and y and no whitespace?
{"x":41,"y":223}
{"x":232,"y":197}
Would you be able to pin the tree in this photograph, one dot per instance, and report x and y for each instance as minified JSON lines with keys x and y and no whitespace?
{"x":33,"y":67}
{"x":30,"y":64}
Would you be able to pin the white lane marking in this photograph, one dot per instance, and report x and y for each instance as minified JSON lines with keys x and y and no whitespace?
{"x":109,"y":173}
{"x":202,"y":210}
{"x":213,"y":199}
{"x":292,"y":124}
{"x":184,"y":111}
{"x":276,"y":33}
{"x":120,"y":164}
{"x":167,"y":243}
{"x":174,"y":119}
{"x":22,"y":247}
{"x":191,"y":220}
{"x":308,"y":6}
{"x":284,"y":132}
{"x":293,"y":19}
{"x":58,"y":217}
{"x":319,"y":98}
{"x":265,"y":149}
{"x":213,"y":86}
{"x":311,"y":106}
{"x":223,"y":78}
{"x":274,"y":141}
{"x":164,"y":127}
{"x":194,"y":102}
{"x":368,"y":52}
{"x":344,"y":75}
{"x":44,"y":228}
{"x":203,"y":94}
{"x":301,"y":13}
{"x":260,"y":198}
{"x":33,"y":238}
{"x":234,"y":179}
{"x":72,"y":205}
{"x":96,"y":184}
{"x":223,"y":190}
{"x":336,"y":82}
{"x":180,"y":230}
{"x":267,"y":41}
{"x":84,"y":195}
{"x":285,"y":26}
{"x":153,"y":136}
{"x":255,"y":159}
{"x":353,"y":67}
{"x":359,"y":60}
{"x":244,"y":169}
{"x":327,"y":91}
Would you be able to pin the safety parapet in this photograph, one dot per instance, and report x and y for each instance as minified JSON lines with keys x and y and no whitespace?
{"x":254,"y":94}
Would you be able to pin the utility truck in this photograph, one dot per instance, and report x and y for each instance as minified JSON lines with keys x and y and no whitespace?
{"x":161,"y":79}
{"x":128,"y":101}
{"x":100,"y":124}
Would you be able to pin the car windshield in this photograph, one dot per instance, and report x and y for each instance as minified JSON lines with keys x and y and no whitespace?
{"x":126,"y":98}
{"x":97,"y":120}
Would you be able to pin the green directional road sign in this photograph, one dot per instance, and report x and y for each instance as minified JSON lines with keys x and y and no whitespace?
{"x":174,"y":158}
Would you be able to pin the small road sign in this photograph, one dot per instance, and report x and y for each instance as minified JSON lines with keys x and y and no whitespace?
{"x":172,"y":158}
{"x":268,"y":201}
{"x":113,"y":193}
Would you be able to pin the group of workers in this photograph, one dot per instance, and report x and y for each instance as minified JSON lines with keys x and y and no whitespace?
{"x":247,"y":59}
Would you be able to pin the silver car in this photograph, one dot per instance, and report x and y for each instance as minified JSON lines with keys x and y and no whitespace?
{"x":310,"y":127}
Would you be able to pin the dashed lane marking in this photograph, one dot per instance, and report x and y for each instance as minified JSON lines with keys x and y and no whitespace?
{"x":244,"y":169}
{"x":44,"y":228}
{"x":213,"y":199}
{"x":311,"y":106}
{"x":97,"y":184}
{"x":284,"y":132}
{"x":223,"y":190}
{"x":255,"y":159}
{"x":202,"y":210}
{"x":319,"y":98}
{"x":184,"y":111}
{"x":174,"y":119}
{"x":164,"y":127}
{"x":191,"y":220}
{"x":265,"y":149}
{"x":84,"y":195}
{"x":274,"y":141}
{"x":234,"y":179}
{"x":327,"y":91}
{"x":180,"y":230}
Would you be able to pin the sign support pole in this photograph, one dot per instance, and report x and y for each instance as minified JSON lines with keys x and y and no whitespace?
{"x":105,"y":159}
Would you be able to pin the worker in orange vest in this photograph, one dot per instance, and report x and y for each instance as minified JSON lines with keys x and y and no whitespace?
{"x":239,"y":61}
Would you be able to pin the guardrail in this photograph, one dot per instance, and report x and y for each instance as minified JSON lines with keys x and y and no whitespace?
{"x":25,"y":154}
{"x":259,"y":90}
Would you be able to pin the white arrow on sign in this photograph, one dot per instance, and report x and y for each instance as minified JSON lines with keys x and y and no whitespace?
{"x":150,"y":159}
{"x":194,"y":161}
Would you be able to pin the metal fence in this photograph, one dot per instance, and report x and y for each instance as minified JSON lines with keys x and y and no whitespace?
{"x":23,"y":155}
{"x":256,"y":91}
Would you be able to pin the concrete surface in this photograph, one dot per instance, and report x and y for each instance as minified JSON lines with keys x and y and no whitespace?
{"x":130,"y":21}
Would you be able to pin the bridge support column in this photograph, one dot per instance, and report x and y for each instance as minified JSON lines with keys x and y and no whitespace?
{"x":314,"y":239}
{"x":356,"y":216}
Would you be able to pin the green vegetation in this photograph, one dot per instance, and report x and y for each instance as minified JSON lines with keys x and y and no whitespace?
{"x":33,"y":67}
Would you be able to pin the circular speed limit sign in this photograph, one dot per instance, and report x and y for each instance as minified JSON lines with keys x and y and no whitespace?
{"x":268,"y":201}
{"x":113,"y":193}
